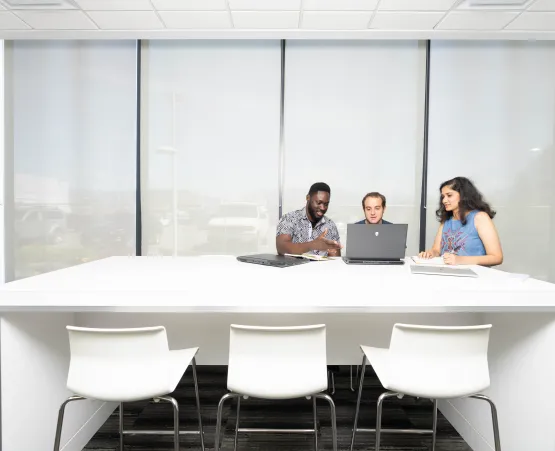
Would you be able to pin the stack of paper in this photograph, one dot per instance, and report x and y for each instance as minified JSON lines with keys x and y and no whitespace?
{"x":308,"y":256}
{"x":435,"y":261}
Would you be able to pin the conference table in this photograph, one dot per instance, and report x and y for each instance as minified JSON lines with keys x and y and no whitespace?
{"x":197,"y":298}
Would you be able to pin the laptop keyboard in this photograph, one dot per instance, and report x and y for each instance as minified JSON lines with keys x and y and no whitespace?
{"x":373,"y":262}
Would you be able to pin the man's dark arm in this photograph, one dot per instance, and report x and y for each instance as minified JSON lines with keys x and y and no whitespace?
{"x":285,"y":245}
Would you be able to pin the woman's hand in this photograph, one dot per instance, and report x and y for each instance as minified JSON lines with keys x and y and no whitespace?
{"x":450,"y":259}
{"x":426,"y":254}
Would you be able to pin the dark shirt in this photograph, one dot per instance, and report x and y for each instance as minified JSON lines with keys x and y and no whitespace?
{"x":364,"y":222}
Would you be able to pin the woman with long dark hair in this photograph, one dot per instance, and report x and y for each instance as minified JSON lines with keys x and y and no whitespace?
{"x":466,"y":235}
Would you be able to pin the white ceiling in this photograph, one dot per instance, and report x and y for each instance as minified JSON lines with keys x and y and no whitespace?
{"x":289,"y":19}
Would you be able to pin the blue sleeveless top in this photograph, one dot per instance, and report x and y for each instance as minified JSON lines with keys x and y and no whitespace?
{"x":461,"y":239}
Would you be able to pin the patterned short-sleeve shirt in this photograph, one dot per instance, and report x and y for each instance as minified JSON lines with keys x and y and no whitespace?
{"x":297,"y":224}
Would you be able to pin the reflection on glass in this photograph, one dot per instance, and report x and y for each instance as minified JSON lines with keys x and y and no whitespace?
{"x":492,"y":119}
{"x":74,"y":153}
{"x":353,"y":119}
{"x":223,"y":199}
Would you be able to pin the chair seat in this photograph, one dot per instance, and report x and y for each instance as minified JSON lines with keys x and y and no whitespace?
{"x":105,"y":385}
{"x":415,"y":377}
{"x":296,"y":386}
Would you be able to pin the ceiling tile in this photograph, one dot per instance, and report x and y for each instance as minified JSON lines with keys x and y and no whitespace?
{"x":340,"y":5}
{"x":265,"y":5}
{"x":416,"y":5}
{"x":406,"y":20}
{"x":266,"y":19}
{"x":115,"y":5}
{"x":196,"y":19}
{"x":543,"y":5}
{"x":326,"y":20}
{"x":126,"y":20}
{"x":533,"y":21}
{"x":9,"y":21}
{"x":476,"y":20}
{"x":57,"y":20}
{"x":190,"y":5}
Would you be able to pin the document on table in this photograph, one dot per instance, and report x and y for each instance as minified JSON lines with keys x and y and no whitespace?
{"x":435,"y":261}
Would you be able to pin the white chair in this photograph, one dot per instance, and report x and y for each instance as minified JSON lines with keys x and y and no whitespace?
{"x":125,"y":365}
{"x":277,"y":363}
{"x":430,"y":362}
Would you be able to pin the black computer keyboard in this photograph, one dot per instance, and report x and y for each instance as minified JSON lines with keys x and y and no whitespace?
{"x":373,"y":262}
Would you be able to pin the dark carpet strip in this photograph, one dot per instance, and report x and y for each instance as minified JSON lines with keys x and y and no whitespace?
{"x":398,"y":413}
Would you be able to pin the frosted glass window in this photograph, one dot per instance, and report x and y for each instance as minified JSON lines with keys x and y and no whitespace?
{"x":354,"y":119}
{"x":492,"y":119}
{"x":210,"y":158}
{"x":74,"y":152}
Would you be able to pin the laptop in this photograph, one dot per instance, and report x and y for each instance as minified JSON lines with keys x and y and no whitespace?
{"x":376,"y":244}
{"x":442,"y":271}
{"x":279,"y":261}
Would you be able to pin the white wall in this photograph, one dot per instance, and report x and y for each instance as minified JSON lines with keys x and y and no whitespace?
{"x":35,"y":353}
{"x":522,"y":373}
{"x":345,"y":332}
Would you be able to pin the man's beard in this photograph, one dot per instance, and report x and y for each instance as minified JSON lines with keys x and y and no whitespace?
{"x":313,"y":215}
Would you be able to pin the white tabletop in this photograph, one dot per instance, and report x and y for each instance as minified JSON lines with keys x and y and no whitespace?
{"x":223,"y":284}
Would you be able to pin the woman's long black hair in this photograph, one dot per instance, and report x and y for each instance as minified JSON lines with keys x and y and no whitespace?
{"x":470,"y":199}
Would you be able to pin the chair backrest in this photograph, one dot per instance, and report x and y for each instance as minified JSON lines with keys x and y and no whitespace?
{"x":118,"y":364}
{"x":439,"y":362}
{"x":277,"y":362}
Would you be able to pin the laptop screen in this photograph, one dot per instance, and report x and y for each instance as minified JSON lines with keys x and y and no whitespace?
{"x":376,"y":241}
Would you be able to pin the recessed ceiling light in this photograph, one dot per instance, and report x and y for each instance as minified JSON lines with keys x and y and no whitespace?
{"x":497,"y":2}
{"x":38,"y":4}
{"x":494,"y":4}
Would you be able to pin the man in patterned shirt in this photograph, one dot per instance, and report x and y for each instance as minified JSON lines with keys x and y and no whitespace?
{"x":308,"y":229}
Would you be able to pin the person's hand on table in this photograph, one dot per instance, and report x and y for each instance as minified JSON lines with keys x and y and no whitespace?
{"x":449,"y":259}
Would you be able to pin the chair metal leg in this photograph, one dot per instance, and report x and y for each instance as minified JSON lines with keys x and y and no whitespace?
{"x":356,"y":377}
{"x":61,"y":420}
{"x":357,"y":410}
{"x":333,"y":418}
{"x":314,"y":413}
{"x":434,"y":425}
{"x":219,"y":418}
{"x":494,"y":420}
{"x":381,"y":399}
{"x":237,"y":423}
{"x":175,"y":419}
{"x":331,"y":383}
{"x":120,"y":426}
{"x":195,"y":380}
